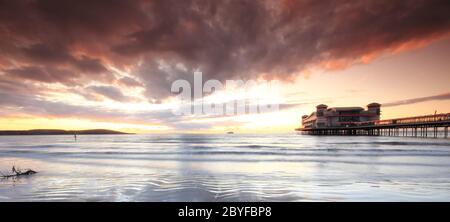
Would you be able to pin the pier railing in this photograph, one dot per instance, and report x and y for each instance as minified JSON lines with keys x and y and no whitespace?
{"x":442,"y":117}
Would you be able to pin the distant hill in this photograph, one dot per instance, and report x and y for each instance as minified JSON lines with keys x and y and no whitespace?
{"x":59,"y":132}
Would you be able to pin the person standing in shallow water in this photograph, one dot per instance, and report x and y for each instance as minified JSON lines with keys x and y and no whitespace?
{"x":75,"y":136}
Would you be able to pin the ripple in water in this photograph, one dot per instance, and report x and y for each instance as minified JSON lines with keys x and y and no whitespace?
{"x":226,"y":168}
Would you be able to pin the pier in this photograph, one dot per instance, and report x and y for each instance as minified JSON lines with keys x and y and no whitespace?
{"x":432,"y":126}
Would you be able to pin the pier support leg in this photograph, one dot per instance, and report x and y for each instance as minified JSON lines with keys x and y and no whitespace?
{"x":446,"y":132}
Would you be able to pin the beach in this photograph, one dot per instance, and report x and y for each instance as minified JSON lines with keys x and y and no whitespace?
{"x":236,"y":167}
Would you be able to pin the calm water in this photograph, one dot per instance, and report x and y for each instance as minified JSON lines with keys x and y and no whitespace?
{"x":226,"y":168}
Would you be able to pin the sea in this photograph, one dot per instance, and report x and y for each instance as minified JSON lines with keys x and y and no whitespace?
{"x":229,"y":167}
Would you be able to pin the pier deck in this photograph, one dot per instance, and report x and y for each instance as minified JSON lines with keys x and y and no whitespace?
{"x":435,"y":126}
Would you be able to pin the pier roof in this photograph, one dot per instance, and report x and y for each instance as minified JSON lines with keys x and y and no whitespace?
{"x":346,"y":108}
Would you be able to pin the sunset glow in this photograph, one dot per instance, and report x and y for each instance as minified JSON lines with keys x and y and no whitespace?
{"x":80,"y":68}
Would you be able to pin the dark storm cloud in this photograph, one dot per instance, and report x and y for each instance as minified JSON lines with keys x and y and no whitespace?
{"x":89,"y":65}
{"x":445,"y":96}
{"x":63,"y":35}
{"x":110,"y":92}
{"x":73,"y":42}
{"x":40,"y":74}
{"x":54,"y":64}
{"x":48,"y":54}
{"x":129,"y":82}
{"x":277,"y":39}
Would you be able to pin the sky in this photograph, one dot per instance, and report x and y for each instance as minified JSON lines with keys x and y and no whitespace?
{"x":111,"y":64}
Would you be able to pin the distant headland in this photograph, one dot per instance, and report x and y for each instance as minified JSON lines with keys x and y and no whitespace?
{"x":59,"y":132}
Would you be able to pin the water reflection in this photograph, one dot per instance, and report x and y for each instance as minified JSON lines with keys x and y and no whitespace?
{"x":226,"y":168}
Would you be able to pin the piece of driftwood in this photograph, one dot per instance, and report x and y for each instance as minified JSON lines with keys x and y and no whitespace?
{"x":17,"y":173}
